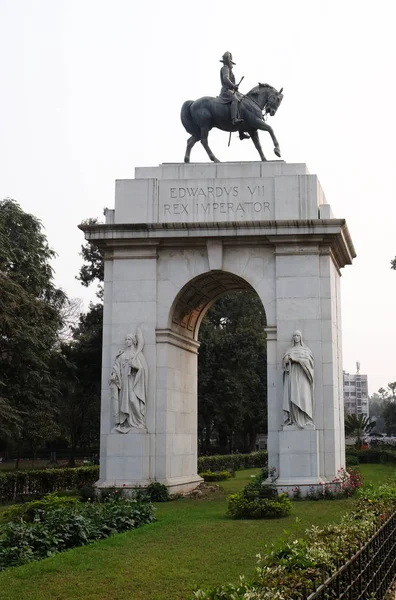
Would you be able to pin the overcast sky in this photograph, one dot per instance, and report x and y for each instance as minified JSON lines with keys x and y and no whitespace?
{"x":79,"y":107}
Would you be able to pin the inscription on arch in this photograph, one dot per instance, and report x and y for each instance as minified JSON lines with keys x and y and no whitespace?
{"x":224,"y":200}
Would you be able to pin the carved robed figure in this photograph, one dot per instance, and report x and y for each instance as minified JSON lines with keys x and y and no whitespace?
{"x":298,"y":383}
{"x":128,"y":385}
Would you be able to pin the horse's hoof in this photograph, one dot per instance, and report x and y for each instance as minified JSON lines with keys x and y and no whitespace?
{"x":215,"y":160}
{"x":277,"y":151}
{"x":186,"y":160}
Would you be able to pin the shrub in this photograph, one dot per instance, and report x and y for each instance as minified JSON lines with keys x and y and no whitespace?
{"x":259,"y":500}
{"x":158,"y":492}
{"x":57,"y":529}
{"x":87,"y":492}
{"x":18,"y":484}
{"x":27,"y":512}
{"x":232,"y":462}
{"x":241,"y":506}
{"x":352,"y":460}
{"x":219,"y":476}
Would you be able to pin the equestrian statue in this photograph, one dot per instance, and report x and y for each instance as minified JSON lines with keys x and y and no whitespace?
{"x":231,"y":111}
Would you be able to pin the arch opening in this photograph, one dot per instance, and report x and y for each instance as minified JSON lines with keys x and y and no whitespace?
{"x":232,"y":375}
{"x":197,"y":296}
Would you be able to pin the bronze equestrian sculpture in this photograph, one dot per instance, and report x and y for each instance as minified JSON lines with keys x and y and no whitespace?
{"x":231,"y":111}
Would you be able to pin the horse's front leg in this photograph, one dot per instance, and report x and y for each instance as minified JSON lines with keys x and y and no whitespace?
{"x":265,"y":127}
{"x":204,"y":142}
{"x":256,"y":141}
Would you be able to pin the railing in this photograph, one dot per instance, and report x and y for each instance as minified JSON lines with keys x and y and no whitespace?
{"x":368,"y":574}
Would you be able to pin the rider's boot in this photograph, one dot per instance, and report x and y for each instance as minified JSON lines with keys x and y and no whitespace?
{"x":235,"y":119}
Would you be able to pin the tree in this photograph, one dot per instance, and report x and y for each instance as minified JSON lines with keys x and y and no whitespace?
{"x":389,"y":415}
{"x":93,"y":268}
{"x":392,"y":388}
{"x":70,"y":314}
{"x":393,"y":264}
{"x":383,"y":393}
{"x":80,"y":368}
{"x":358,"y":426}
{"x":30,"y":318}
{"x":232,"y":406}
{"x":80,"y":360}
{"x":376,"y":408}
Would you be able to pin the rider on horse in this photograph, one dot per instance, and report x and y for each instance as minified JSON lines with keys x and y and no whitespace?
{"x":229,"y":89}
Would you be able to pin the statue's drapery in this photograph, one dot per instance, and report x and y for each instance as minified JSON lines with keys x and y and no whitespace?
{"x":128,"y":383}
{"x":298,"y":383}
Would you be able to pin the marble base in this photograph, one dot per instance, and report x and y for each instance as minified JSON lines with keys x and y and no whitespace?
{"x":182,"y":485}
{"x":175,"y":485}
{"x":305,"y":486}
{"x":299,"y":454}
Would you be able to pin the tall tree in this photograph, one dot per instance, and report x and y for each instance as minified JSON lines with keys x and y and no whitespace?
{"x":80,"y":362}
{"x":80,"y":368}
{"x":92,"y":269}
{"x":232,"y":382}
{"x":30,"y":306}
{"x":389,"y":415}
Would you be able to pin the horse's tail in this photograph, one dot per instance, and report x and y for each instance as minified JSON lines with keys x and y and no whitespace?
{"x":188,"y":121}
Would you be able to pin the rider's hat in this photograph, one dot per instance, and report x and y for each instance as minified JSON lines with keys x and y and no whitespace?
{"x":227,"y":56}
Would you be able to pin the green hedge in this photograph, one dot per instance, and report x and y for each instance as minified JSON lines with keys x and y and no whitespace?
{"x":16,"y":484}
{"x":373,"y":455}
{"x":232,"y":462}
{"x":216,"y":476}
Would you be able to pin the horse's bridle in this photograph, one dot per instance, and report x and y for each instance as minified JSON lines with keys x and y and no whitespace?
{"x":264,"y":115}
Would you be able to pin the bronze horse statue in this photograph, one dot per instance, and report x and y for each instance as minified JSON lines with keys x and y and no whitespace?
{"x":200,"y":116}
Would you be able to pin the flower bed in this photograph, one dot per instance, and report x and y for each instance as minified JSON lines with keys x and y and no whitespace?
{"x":57,"y":529}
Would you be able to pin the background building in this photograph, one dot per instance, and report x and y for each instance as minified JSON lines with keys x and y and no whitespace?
{"x":356,"y":393}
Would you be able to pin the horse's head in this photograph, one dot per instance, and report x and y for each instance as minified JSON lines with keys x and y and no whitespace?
{"x":273,"y":100}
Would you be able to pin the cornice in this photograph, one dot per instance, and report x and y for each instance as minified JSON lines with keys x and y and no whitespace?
{"x":322,"y":233}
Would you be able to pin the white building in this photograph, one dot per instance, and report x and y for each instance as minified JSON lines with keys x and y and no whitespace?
{"x":356,"y":393}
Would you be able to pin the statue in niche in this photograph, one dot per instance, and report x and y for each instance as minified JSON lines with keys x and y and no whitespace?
{"x":128,"y":385}
{"x":298,"y":382}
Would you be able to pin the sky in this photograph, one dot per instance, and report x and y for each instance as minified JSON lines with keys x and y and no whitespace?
{"x":90,"y":89}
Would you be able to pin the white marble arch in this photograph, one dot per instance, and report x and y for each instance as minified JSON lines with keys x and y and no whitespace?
{"x":164,"y":269}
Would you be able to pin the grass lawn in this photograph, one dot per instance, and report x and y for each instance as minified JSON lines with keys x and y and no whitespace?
{"x":192,"y":544}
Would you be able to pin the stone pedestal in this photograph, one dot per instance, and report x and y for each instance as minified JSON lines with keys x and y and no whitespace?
{"x":298,"y":458}
{"x":179,"y":237}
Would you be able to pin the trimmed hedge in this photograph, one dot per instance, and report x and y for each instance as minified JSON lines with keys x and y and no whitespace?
{"x":373,"y":455}
{"x":216,"y":476}
{"x":232,"y":462}
{"x":16,"y":484}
